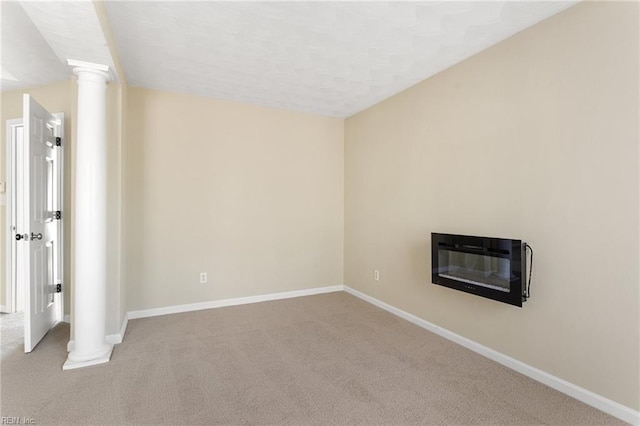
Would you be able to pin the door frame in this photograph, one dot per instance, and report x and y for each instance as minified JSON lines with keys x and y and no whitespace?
{"x":10,"y":191}
{"x":11,"y":247}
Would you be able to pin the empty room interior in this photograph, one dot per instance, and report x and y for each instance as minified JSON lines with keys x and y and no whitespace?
{"x":320,"y":212}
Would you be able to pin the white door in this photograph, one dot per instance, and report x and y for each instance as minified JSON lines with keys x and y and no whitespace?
{"x":40,"y":224}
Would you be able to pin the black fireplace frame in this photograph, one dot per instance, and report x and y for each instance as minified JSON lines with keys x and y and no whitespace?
{"x":513,"y":250}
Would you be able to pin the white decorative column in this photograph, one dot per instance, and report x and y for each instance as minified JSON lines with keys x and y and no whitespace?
{"x":90,"y":220}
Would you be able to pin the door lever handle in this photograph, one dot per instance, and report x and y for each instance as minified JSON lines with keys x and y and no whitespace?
{"x":22,"y":236}
{"x":36,"y":236}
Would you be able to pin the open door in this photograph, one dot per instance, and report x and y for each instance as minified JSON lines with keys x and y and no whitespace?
{"x":40,"y":210}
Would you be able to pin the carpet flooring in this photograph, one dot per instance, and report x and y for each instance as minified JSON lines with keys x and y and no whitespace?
{"x":325,"y":359}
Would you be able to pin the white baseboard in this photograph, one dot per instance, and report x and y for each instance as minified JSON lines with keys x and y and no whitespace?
{"x":67,"y":319}
{"x":123,"y":329}
{"x":117,"y":338}
{"x":145,"y":313}
{"x":613,"y":408}
{"x":4,"y":309}
{"x":114,"y":339}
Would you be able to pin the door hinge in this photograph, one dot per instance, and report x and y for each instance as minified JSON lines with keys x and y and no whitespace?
{"x":58,"y":288}
{"x":57,"y":215}
{"x":58,"y":141}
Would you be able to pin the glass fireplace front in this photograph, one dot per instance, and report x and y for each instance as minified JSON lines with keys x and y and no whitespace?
{"x":488,"y":267}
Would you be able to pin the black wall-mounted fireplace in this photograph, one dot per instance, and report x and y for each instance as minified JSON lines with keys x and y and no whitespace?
{"x":489,"y":267}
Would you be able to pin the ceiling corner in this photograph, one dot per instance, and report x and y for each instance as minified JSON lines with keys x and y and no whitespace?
{"x":74,"y":30}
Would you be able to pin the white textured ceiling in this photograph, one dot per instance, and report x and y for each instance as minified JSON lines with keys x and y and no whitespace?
{"x":330,"y":58}
{"x":38,"y":38}
{"x":25,"y":53}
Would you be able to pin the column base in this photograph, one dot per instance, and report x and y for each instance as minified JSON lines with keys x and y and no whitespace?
{"x":100,"y":359}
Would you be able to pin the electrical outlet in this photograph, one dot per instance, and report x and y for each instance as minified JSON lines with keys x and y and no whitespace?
{"x":203,"y":277}
{"x":376,"y":275}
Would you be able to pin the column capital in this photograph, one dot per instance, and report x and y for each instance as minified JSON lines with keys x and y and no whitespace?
{"x":81,"y":67}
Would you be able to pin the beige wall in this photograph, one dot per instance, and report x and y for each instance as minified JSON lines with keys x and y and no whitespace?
{"x":535,"y":138}
{"x":62,"y":97}
{"x":253,"y":196}
{"x":116,"y":303}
